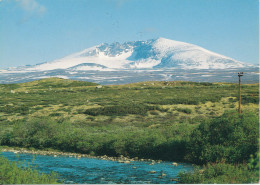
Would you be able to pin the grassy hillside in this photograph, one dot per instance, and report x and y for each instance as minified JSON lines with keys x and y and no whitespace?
{"x":149,"y":102}
{"x":158,"y":120}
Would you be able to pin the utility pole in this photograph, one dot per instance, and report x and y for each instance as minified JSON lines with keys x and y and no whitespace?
{"x":239,"y":93}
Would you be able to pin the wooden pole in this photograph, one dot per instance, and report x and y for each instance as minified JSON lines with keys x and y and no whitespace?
{"x":239,"y":104}
{"x":239,"y":92}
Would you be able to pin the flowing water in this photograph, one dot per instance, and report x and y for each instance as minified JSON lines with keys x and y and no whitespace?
{"x":96,"y":171}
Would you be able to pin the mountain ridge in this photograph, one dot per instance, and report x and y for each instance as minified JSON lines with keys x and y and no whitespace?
{"x":157,"y":53}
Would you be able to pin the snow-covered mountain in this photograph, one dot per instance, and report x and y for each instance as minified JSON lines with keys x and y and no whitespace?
{"x":151,"y":54}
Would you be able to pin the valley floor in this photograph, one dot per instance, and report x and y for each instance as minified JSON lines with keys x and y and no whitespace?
{"x":152,"y":120}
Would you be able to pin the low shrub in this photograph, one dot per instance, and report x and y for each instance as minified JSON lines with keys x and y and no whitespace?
{"x":230,"y":137}
{"x":22,"y":109}
{"x":154,"y":113}
{"x":175,"y":101}
{"x":185,"y":110}
{"x":164,"y":143}
{"x":121,"y":110}
{"x":55,"y":114}
{"x":231,"y":100}
{"x":198,"y":119}
{"x":232,"y":106}
{"x":219,"y":173}
{"x":250,"y":99}
{"x":13,"y":173}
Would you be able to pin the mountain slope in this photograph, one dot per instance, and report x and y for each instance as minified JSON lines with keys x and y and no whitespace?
{"x":151,"y":54}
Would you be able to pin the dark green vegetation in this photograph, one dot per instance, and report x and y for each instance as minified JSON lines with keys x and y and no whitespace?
{"x":224,"y":144}
{"x":230,"y":138}
{"x":122,"y":110}
{"x":113,"y":140}
{"x":14,"y":173}
{"x":223,"y":173}
{"x":178,"y":121}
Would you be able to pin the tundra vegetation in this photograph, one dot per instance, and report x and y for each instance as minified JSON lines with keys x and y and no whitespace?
{"x":175,"y":120}
{"x":13,"y":173}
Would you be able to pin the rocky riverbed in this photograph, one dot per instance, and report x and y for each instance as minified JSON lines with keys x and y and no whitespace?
{"x":120,"y":159}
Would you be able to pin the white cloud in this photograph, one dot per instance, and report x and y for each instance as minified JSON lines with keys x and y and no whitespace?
{"x":31,"y":6}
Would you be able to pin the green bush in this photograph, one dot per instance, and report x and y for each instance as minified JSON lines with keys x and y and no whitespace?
{"x":178,"y":100}
{"x":219,"y":173}
{"x":231,"y":137}
{"x":154,"y":113}
{"x":167,"y":143}
{"x":231,"y":106}
{"x":121,"y":110}
{"x":13,"y":173}
{"x":250,"y":99}
{"x":22,"y":109}
{"x":198,"y":119}
{"x":55,"y":114}
{"x":253,"y":164}
{"x":231,"y":100}
{"x":185,"y":110}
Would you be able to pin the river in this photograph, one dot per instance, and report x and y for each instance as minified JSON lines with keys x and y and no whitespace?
{"x":97,"y":171}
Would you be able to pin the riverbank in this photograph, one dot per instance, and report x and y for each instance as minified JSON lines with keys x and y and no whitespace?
{"x":95,"y":171}
{"x":120,"y":159}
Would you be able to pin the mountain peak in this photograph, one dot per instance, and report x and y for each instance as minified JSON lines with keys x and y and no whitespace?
{"x":162,"y":39}
{"x":150,"y":54}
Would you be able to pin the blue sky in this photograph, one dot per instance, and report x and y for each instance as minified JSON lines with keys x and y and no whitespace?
{"x":36,"y":31}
